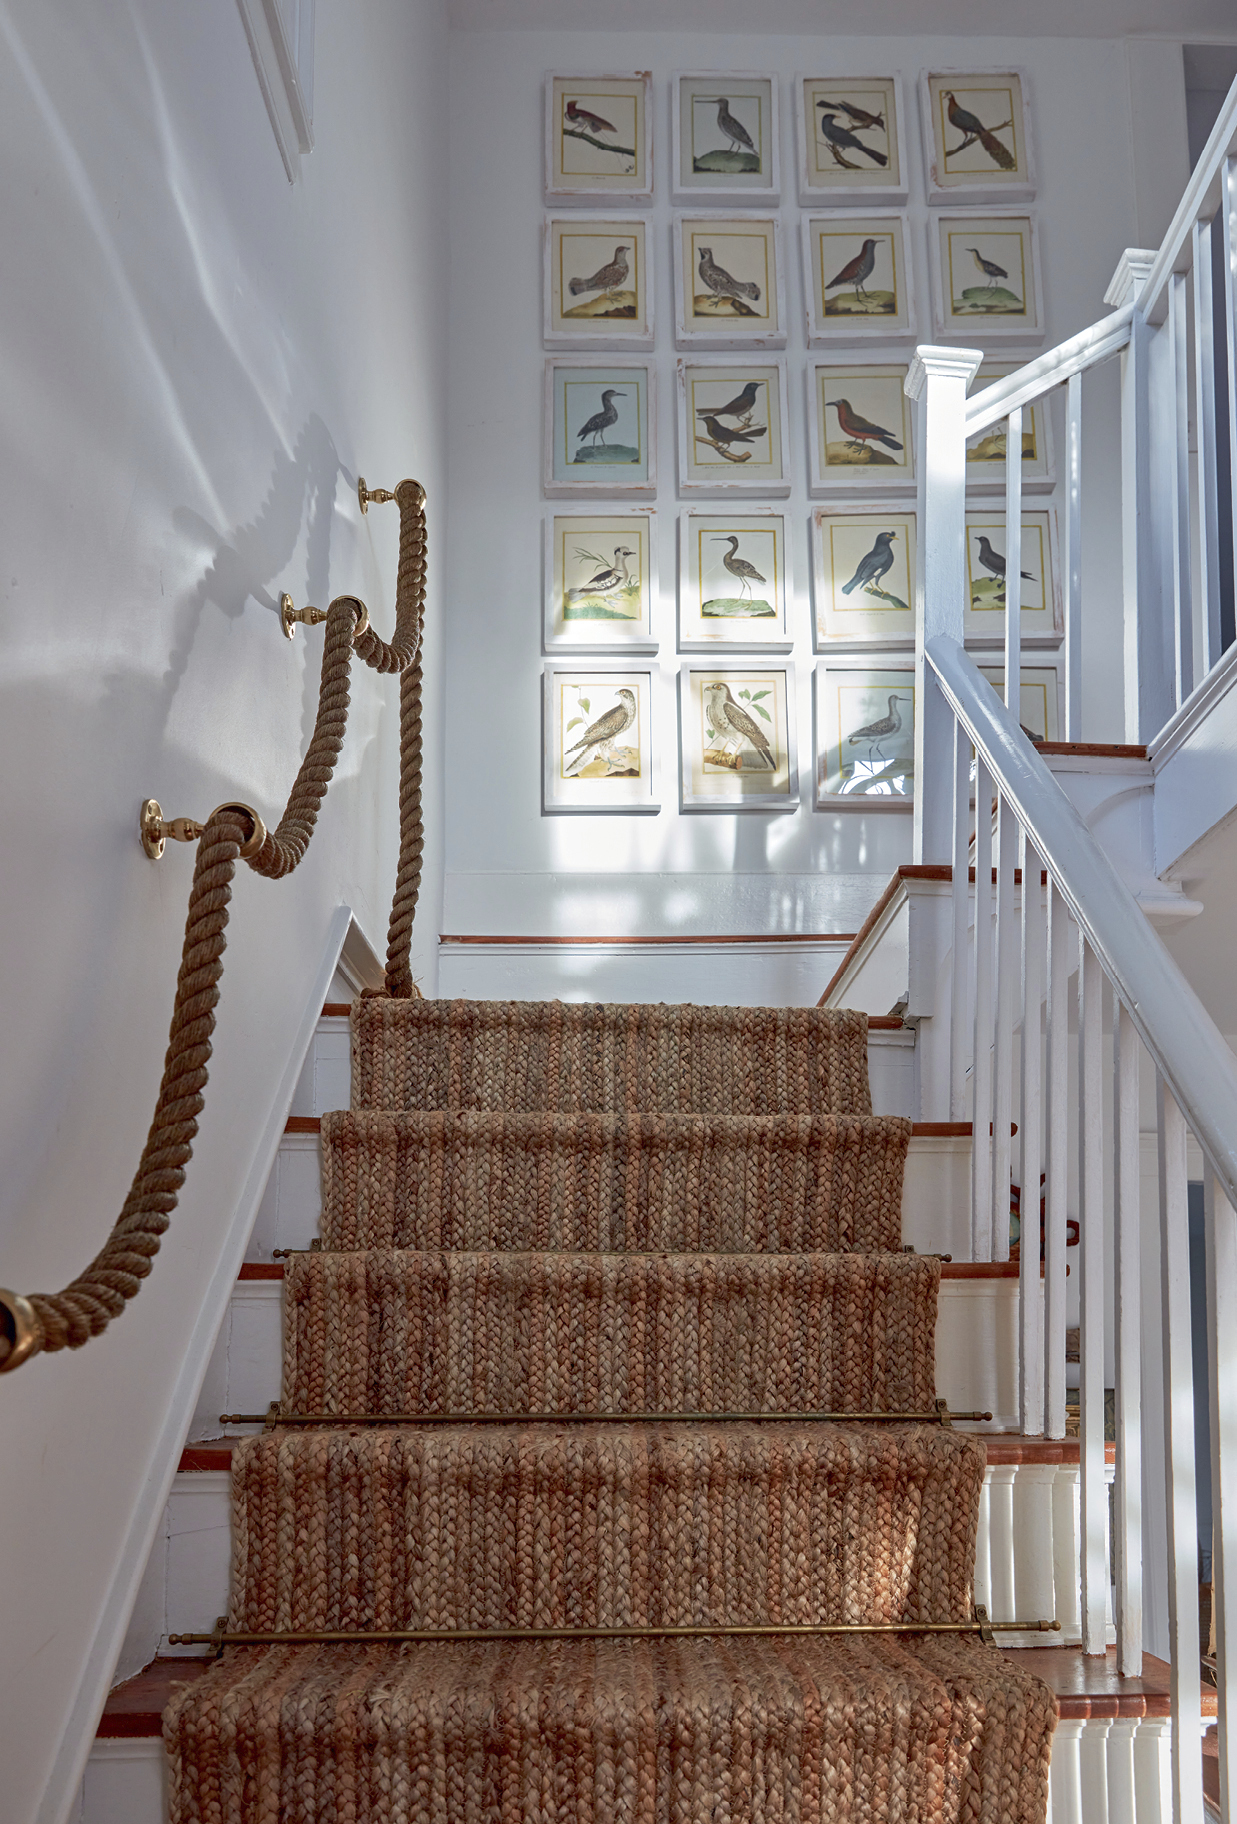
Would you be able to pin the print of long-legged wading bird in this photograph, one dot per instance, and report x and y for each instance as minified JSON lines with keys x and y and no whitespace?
{"x":972,"y":128}
{"x":607,"y":279}
{"x":602,"y":734}
{"x":840,"y":140}
{"x":610,"y":576}
{"x":740,"y":407}
{"x":989,"y":268}
{"x":733,"y":129}
{"x":994,"y":561}
{"x":582,"y":117}
{"x":856,"y":272}
{"x":876,"y":732}
{"x":730,"y":719}
{"x":739,"y":567}
{"x":870,"y":569}
{"x":860,"y":432}
{"x":600,"y":422}
{"x":723,"y":284}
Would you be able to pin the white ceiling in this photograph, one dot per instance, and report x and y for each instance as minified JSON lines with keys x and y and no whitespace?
{"x":1199,"y":19}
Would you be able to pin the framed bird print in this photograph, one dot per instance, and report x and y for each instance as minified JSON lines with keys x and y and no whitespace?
{"x":597,"y":740}
{"x":596,"y":290}
{"x":865,"y":734}
{"x":732,"y":581}
{"x":600,"y":581}
{"x":863,"y":575}
{"x":725,"y":139}
{"x":737,"y":738}
{"x":1040,"y":692}
{"x":977,"y":137}
{"x":732,"y":428}
{"x":850,"y":138}
{"x":597,"y":429}
{"x":598,"y":139}
{"x":985,"y":452}
{"x":857,"y":278}
{"x":727,"y":282}
{"x":1041,"y":620}
{"x":987,"y":282}
{"x":860,"y":432}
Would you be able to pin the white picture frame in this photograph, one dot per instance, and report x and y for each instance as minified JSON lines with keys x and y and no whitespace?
{"x":863,"y":581}
{"x":596,"y":290}
{"x":1042,"y":618}
{"x":728,"y":289}
{"x":868,"y":442}
{"x":856,"y":766}
{"x":751,"y":109}
{"x":1041,"y":709}
{"x":733,"y":600}
{"x":985,"y":452}
{"x":732,"y":773}
{"x":575,"y":396}
{"x":576,"y":697}
{"x":758,"y":439}
{"x":964,"y":167}
{"x":590,"y":165}
{"x":615,"y":553}
{"x":824,"y":181}
{"x":876,"y":304}
{"x":959,"y":240}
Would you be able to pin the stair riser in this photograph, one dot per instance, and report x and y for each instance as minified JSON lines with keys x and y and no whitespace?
{"x":401,"y":1332}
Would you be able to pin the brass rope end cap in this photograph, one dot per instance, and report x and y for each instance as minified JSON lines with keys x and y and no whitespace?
{"x":21,"y":1333}
{"x":257,"y":834}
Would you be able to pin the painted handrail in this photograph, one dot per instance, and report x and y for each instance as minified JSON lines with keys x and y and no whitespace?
{"x":1087,"y":349}
{"x":1179,"y":1033}
{"x":1202,"y":196}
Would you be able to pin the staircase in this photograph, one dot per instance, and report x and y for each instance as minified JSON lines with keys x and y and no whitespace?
{"x":559,"y":1210}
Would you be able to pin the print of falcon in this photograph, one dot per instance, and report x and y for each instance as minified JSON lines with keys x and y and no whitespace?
{"x":870,"y":569}
{"x":730,"y":718}
{"x":602,"y":734}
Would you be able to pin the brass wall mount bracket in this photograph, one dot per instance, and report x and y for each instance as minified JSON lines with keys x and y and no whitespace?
{"x":365,"y":494}
{"x":20,"y":1330}
{"x":290,"y":614}
{"x":156,"y":830}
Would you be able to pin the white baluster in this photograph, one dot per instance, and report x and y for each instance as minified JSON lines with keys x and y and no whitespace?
{"x":1066,"y":1551}
{"x":1179,"y":504}
{"x":1228,"y":217}
{"x":1179,"y":1454}
{"x":1057,"y":1160}
{"x":1205,"y":431}
{"x":1093,"y":1772}
{"x":959,"y":906}
{"x":1065,"y":1774}
{"x":1003,"y":1045}
{"x":1030,"y":1281}
{"x":983,"y":1551}
{"x":1013,"y":563}
{"x":1001,"y":1571}
{"x":1033,"y":1522}
{"x":1073,"y":558}
{"x":1091,"y":1298}
{"x":981,"y":1074}
{"x":1121,"y":1789}
{"x":1221,"y":1226}
{"x":1128,"y":1550}
{"x":1153,"y":1786}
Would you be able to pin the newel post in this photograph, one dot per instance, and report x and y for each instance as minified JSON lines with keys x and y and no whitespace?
{"x":937,"y":380}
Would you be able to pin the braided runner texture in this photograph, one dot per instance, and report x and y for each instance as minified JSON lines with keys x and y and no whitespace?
{"x":565,"y":1057}
{"x":623,"y":1209}
{"x":746,"y":1183}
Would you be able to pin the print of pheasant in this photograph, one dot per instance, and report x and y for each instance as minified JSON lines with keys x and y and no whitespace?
{"x":972,"y":128}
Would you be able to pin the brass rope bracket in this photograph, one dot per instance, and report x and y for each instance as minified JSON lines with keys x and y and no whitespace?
{"x":156,"y":831}
{"x":21,"y":1334}
{"x":290,"y":615}
{"x":365,"y":495}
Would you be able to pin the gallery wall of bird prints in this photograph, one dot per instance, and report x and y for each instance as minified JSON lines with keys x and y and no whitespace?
{"x":793,"y":328}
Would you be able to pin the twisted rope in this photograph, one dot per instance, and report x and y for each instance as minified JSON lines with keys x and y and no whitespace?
{"x":68,"y":1319}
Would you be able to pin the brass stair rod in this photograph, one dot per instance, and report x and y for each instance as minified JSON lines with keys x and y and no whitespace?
{"x":941,"y":1415}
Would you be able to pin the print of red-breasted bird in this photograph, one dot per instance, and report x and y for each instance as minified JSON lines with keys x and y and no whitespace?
{"x":856,"y":272}
{"x":581,"y":117}
{"x":861,"y":431}
{"x":971,"y":127}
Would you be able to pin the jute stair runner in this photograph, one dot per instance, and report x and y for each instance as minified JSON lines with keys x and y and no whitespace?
{"x":593,"y":1209}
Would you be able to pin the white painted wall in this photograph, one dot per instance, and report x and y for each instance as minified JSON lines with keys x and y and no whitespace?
{"x":197,"y":360}
{"x":511,"y":870}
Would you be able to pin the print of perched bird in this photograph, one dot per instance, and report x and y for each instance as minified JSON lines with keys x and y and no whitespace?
{"x":857,"y":116}
{"x":733,"y":129}
{"x":739,"y":567}
{"x":740,"y":406}
{"x":840,"y":139}
{"x":857,"y":271}
{"x":989,"y":267}
{"x":598,"y":740}
{"x":723,"y":284}
{"x":600,"y":422}
{"x":607,"y":278}
{"x":610,"y":576}
{"x":876,"y":732}
{"x":859,"y":432}
{"x":582,"y":117}
{"x":730,"y":719}
{"x":994,"y":562}
{"x":873,"y":567}
{"x":727,"y":434}
{"x":971,"y":128}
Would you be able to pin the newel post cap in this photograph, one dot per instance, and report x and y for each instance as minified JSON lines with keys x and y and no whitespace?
{"x":952,"y":363}
{"x":1131,"y":275}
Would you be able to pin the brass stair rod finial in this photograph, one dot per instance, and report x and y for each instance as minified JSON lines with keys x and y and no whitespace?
{"x":157,"y":831}
{"x":21,"y":1333}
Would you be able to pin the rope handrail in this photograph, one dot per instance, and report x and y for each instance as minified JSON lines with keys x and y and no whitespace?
{"x":45,"y":1321}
